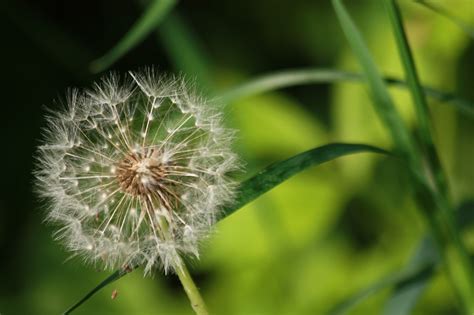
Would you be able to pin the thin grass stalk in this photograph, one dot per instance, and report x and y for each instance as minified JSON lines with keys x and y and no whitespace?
{"x":433,"y":204}
{"x":455,"y":253}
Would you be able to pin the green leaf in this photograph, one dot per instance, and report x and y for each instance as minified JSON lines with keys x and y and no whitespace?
{"x":112,"y":278}
{"x":466,"y":27}
{"x":278,"y":172}
{"x":288,"y":78}
{"x":382,"y":101}
{"x":152,"y":16}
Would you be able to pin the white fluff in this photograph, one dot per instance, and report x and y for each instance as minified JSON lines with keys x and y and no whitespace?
{"x":174,"y":132}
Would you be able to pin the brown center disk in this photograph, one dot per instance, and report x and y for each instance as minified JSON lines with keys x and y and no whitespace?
{"x":140,"y":174}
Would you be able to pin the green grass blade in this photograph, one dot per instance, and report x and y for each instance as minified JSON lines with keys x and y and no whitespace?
{"x":112,"y":278}
{"x":185,"y":51}
{"x":382,"y":101}
{"x":278,"y":172}
{"x":418,"y":95}
{"x":466,"y":27}
{"x":152,"y":16}
{"x":292,"y":77}
{"x":409,"y":67}
{"x":286,"y":78}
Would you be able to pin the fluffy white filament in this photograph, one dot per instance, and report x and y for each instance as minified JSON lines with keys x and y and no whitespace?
{"x":135,"y":170}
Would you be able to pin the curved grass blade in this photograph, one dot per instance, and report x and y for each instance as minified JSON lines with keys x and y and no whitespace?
{"x":152,"y":16}
{"x":466,"y":27}
{"x":112,"y":278}
{"x":278,"y":172}
{"x":292,"y":77}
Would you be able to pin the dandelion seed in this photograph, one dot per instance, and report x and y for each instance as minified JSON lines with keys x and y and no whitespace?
{"x":135,"y":171}
{"x":114,"y":294}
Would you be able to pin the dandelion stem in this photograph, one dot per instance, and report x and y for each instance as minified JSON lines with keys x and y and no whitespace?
{"x":191,"y":290}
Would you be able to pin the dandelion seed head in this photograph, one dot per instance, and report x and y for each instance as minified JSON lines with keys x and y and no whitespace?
{"x":135,"y":170}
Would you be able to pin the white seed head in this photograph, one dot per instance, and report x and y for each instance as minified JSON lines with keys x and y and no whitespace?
{"x":136,"y":170}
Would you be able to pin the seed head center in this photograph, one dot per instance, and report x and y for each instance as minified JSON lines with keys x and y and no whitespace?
{"x":140,"y":174}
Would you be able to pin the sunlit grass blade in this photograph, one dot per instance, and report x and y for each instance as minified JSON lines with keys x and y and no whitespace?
{"x":466,"y":27}
{"x":418,"y":95}
{"x":153,"y":15}
{"x":185,"y":51}
{"x":278,"y":172}
{"x":112,"y":278}
{"x":292,"y":77}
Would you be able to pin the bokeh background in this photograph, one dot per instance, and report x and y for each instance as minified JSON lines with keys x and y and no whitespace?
{"x":301,"y":248}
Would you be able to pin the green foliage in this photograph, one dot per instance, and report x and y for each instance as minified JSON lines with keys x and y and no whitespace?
{"x":296,"y":240}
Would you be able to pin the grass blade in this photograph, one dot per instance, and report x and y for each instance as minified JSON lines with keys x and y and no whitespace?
{"x":112,"y":278}
{"x":278,"y":172}
{"x":418,"y":95}
{"x":288,"y":78}
{"x":152,"y":16}
{"x":382,"y":101}
{"x":467,"y":28}
{"x":434,"y":169}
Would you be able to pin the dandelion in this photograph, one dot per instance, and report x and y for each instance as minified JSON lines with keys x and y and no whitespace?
{"x":135,"y":170}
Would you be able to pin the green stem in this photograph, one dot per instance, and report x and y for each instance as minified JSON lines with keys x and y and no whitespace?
{"x":190,"y":288}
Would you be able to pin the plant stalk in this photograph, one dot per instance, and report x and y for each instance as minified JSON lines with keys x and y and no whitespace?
{"x":191,"y":290}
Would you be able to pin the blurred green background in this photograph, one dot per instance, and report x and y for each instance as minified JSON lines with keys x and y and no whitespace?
{"x":301,"y":248}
